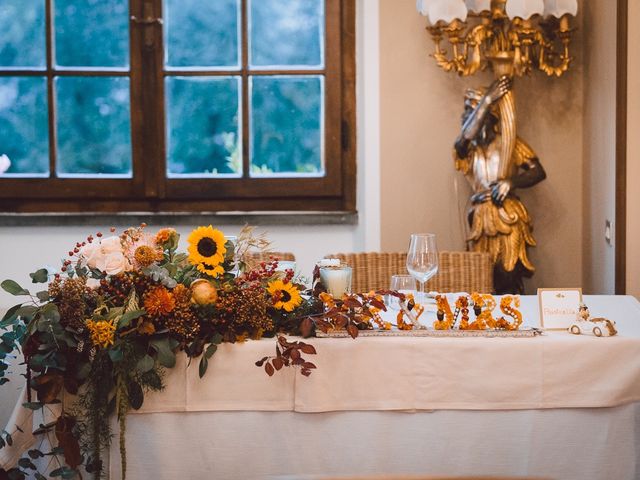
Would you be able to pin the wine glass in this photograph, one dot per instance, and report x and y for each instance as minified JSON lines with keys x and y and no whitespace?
{"x":403,"y":284}
{"x":422,"y":260}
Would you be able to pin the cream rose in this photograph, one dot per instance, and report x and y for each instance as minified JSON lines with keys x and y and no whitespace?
{"x":90,"y":253}
{"x":93,"y":283}
{"x":112,"y":263}
{"x":110,"y":245}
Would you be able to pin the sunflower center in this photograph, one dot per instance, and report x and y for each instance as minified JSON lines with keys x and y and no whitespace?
{"x":284,"y":296}
{"x":207,"y":247}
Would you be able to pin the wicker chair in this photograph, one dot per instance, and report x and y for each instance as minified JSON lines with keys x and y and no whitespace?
{"x":254,"y":258}
{"x":457,"y":271}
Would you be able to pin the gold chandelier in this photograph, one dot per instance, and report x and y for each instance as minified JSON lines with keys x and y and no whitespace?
{"x":514,"y":37}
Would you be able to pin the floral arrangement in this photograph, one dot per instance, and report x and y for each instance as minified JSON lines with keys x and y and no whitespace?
{"x":114,"y":317}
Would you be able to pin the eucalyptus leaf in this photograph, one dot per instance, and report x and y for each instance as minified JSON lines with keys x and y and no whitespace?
{"x":211,"y":349}
{"x":116,"y":355}
{"x":13,"y":288}
{"x":202,"y":367}
{"x":10,"y":316}
{"x":125,"y":320}
{"x":43,"y":296}
{"x":39,"y":276}
{"x":145,"y":364}
{"x":136,"y":396}
{"x":166,"y":357}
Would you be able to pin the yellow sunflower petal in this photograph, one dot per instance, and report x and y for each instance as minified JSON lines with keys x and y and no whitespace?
{"x":286,"y":295}
{"x":206,"y":245}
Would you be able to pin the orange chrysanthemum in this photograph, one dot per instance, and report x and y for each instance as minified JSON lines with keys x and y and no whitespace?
{"x":159,"y":301}
{"x":145,"y":255}
{"x":164,"y":235}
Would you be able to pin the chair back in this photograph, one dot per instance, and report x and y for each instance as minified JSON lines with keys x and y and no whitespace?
{"x":254,"y":258}
{"x":457,"y":271}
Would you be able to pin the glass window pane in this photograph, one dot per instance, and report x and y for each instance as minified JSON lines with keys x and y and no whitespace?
{"x":92,"y":33}
{"x":201,"y":34}
{"x":286,"y":33}
{"x":24,"y":131}
{"x":286,"y":125}
{"x":22,"y":38}
{"x":203,"y":132}
{"x":93,"y":125}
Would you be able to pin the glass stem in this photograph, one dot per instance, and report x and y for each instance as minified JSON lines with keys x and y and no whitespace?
{"x":422,"y":295}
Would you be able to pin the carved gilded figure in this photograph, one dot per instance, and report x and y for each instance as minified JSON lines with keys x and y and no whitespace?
{"x":496,"y":162}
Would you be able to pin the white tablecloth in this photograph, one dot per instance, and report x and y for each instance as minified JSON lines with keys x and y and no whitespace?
{"x":275,"y":439}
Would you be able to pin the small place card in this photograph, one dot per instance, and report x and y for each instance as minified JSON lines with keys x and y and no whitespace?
{"x":558,"y":307}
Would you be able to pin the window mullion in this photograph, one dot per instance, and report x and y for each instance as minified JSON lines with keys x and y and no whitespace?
{"x":244,"y":48}
{"x":147,"y":100}
{"x":50,"y":93}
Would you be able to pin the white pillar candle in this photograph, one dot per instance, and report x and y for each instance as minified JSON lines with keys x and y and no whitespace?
{"x":337,"y":280}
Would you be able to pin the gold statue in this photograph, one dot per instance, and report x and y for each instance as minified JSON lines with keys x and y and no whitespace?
{"x":496,"y":161}
{"x":512,"y":38}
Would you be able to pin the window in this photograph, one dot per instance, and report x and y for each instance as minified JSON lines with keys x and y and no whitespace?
{"x":177,"y":105}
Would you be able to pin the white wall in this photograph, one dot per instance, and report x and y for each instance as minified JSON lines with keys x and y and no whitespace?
{"x":599,"y":145}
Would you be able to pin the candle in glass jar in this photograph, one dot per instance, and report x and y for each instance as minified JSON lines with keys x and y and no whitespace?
{"x":337,"y":280}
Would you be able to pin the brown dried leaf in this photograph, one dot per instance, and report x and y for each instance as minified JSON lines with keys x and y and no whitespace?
{"x":269,"y":369}
{"x":298,"y":361}
{"x":378,"y":304}
{"x":305,"y":372}
{"x":308,"y":349}
{"x":352,"y":330}
{"x":323,"y":325}
{"x":308,"y":365}
{"x":295,"y":354}
{"x":278,"y":351}
{"x":48,"y":386}
{"x":341,"y":322}
{"x":260,"y":362}
{"x":306,"y":327}
{"x":278,"y":363}
{"x":352,"y":302}
{"x":66,"y":440}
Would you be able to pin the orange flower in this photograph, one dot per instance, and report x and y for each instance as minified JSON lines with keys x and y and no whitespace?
{"x":146,"y":328}
{"x":164,"y":235}
{"x":145,"y":255}
{"x":159,"y":301}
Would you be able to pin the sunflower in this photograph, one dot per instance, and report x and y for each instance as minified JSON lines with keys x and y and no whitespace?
{"x":211,"y":271}
{"x":285,"y":295}
{"x":207,"y":249}
{"x":159,"y":301}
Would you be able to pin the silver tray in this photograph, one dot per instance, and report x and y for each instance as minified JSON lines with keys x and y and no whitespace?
{"x":526,"y":332}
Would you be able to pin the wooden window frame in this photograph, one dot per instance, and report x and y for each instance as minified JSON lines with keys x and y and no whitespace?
{"x":150,"y":190}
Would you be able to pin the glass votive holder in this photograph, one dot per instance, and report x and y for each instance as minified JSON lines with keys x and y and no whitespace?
{"x":336,"y":278}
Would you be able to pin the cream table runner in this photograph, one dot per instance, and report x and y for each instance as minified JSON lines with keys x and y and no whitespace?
{"x":556,"y":370}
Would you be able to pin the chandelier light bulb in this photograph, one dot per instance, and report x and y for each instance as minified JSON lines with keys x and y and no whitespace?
{"x":446,"y":11}
{"x":524,"y":9}
{"x":478,"y":6}
{"x":559,"y":8}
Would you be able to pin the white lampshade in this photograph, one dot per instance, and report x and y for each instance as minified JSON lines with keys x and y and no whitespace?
{"x":524,"y":9}
{"x":478,"y":6}
{"x":423,"y":6}
{"x":446,"y":10}
{"x":558,"y":8}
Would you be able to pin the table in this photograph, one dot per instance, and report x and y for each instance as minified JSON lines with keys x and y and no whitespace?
{"x":405,"y":406}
